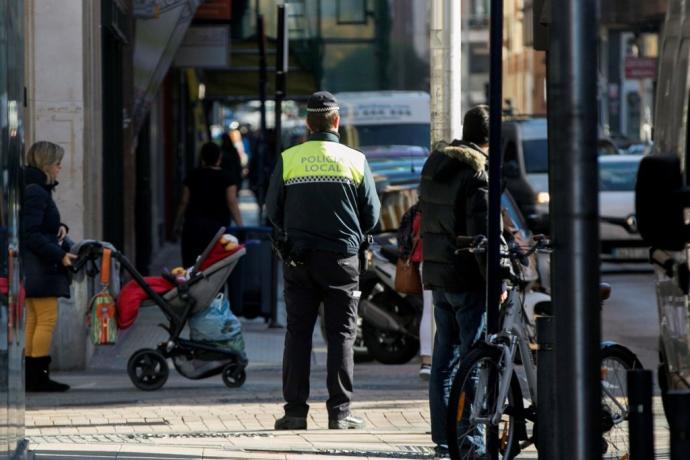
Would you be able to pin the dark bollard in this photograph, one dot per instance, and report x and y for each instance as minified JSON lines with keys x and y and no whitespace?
{"x":641,"y":416}
{"x":546,"y":382}
{"x":679,"y":423}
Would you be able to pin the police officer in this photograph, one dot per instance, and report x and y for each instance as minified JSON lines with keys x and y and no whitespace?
{"x":323,"y":200}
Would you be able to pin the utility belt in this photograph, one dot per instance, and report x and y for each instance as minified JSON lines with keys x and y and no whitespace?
{"x":295,"y":257}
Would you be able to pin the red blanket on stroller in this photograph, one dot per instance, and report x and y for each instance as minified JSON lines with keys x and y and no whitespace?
{"x":132,"y":295}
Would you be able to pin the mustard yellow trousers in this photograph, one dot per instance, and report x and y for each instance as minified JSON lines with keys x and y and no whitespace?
{"x":41,"y":316}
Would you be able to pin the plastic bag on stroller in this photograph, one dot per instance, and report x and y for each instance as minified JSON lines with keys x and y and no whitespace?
{"x":217,"y":325}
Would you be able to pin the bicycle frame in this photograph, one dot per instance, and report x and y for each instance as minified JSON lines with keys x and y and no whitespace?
{"x":511,"y":338}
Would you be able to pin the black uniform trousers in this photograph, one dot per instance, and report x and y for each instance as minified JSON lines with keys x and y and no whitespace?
{"x":331,"y":279}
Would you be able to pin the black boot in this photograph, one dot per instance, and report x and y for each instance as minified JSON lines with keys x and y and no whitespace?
{"x":29,"y":373}
{"x":42,"y":381}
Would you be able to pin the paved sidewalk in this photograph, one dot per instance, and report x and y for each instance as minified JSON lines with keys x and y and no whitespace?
{"x":105,"y":417}
{"x":105,"y":414}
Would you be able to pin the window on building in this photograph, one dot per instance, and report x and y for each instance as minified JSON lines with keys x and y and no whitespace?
{"x":479,"y":58}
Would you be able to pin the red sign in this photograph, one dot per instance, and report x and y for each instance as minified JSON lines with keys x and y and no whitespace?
{"x":639,"y":68}
{"x":219,"y":10}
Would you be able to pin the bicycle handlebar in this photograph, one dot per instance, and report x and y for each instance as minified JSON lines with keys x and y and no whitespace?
{"x":477,"y":244}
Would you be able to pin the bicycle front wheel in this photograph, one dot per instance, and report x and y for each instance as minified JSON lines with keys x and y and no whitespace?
{"x":473,"y":402}
{"x":616,"y":360}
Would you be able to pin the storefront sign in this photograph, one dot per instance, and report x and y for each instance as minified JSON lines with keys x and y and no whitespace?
{"x":205,"y":46}
{"x":218,"y":10}
{"x":639,"y":68}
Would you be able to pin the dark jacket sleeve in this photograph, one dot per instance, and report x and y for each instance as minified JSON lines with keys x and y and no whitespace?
{"x":477,"y":213}
{"x":33,"y":211}
{"x":369,"y":204}
{"x":275,"y":196}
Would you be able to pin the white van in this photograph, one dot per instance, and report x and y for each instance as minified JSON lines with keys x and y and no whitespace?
{"x":384,"y":118}
{"x":662,"y":199}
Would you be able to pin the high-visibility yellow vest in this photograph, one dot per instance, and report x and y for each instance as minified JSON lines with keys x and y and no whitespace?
{"x":322,"y":161}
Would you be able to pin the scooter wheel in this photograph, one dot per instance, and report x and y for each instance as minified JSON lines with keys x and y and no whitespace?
{"x":148,"y":369}
{"x":234,"y":375}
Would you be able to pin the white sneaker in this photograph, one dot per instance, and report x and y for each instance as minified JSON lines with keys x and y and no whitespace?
{"x":425,"y":371}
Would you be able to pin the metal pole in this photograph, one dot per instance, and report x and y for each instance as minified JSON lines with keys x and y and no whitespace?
{"x":263,"y":82}
{"x":281,"y":83}
{"x":575,"y":226}
{"x":641,"y":416}
{"x":281,"y":75}
{"x":493,"y":282}
{"x":679,"y":423}
{"x":446,"y":51}
{"x":546,"y":370}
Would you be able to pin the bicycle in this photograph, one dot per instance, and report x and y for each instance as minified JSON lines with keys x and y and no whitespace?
{"x":487,"y":375}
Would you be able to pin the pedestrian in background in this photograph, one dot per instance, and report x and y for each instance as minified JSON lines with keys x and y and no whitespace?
{"x":322,"y":201}
{"x":230,"y":162}
{"x":45,"y":253}
{"x":209,"y":200}
{"x":454,"y":201}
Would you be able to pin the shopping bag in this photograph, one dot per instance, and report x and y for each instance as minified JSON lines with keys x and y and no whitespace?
{"x":216,"y":323}
{"x":102,"y":313}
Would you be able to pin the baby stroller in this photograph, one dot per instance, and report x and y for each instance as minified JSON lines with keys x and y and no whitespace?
{"x":148,"y":368}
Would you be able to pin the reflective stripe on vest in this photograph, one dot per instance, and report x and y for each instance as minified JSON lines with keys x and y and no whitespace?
{"x":321,"y":161}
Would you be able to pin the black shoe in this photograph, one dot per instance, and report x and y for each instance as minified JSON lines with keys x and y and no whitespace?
{"x":348,"y":423}
{"x":288,"y":422}
{"x":40,"y":376}
{"x":441,"y":453}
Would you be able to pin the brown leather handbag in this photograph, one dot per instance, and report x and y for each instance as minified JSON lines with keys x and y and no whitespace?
{"x":407,"y":277}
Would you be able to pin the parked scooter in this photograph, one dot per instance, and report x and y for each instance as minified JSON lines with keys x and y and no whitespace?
{"x":388,"y":322}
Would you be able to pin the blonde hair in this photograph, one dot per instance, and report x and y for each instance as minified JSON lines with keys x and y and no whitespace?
{"x":43,"y":154}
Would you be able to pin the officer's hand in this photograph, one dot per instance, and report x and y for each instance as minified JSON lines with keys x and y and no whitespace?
{"x":503,"y":297}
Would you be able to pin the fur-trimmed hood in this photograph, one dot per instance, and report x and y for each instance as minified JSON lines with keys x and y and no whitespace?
{"x":452,"y":157}
{"x":467,"y":153}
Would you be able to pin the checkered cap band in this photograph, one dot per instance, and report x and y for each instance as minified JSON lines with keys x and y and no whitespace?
{"x":323,"y":109}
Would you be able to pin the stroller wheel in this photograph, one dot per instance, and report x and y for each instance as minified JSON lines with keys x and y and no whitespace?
{"x":234,"y":375}
{"x":148,"y":369}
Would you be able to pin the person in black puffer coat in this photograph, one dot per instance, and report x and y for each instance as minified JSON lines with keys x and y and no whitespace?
{"x":454,"y":199}
{"x":46,"y":258}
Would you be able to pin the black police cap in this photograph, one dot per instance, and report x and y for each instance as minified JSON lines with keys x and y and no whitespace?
{"x":322,"y":101}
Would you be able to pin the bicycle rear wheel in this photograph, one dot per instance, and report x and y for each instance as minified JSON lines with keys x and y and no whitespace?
{"x":472,"y":402}
{"x":616,"y":360}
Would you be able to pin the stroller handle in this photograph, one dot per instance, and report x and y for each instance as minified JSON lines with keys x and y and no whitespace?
{"x":89,"y":251}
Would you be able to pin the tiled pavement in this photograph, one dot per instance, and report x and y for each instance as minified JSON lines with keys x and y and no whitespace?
{"x":105,"y":417}
{"x":105,"y":414}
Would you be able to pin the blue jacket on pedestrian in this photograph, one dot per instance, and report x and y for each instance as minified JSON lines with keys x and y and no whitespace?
{"x":42,"y":254}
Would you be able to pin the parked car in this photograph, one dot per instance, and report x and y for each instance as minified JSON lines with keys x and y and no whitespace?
{"x":661,"y":204}
{"x":618,"y":231}
{"x":397,"y":164}
{"x":525,"y":151}
{"x":526,"y":165}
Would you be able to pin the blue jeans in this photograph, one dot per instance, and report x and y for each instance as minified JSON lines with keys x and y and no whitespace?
{"x":459,"y":324}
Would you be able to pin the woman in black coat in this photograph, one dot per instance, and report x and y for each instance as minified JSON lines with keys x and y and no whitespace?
{"x":46,"y":258}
